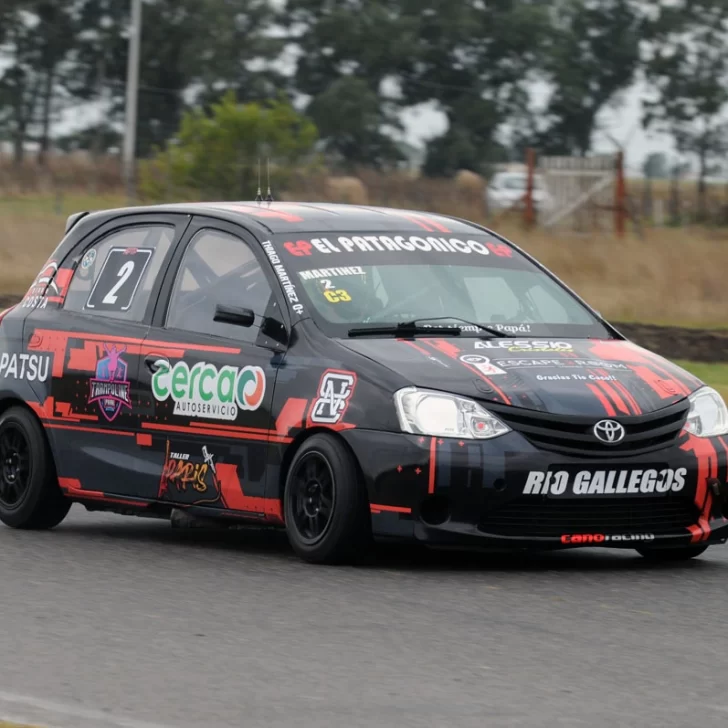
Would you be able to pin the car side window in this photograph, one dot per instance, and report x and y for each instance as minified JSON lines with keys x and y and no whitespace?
{"x":217,"y":268}
{"x":116,"y":274}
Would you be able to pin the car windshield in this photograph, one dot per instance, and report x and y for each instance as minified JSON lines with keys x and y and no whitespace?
{"x":352,"y":281}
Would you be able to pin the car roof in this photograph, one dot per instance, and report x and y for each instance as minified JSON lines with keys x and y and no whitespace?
{"x":305,"y":217}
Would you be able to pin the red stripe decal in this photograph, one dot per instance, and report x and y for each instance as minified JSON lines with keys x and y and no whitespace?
{"x":73,"y":489}
{"x":602,"y":398}
{"x":452,"y":351}
{"x":628,"y":396}
{"x":707,"y":459}
{"x":434,"y":223}
{"x":82,"y":428}
{"x":412,"y":218}
{"x":291,"y":416}
{"x":214,"y":432}
{"x":618,"y":401}
{"x":260,"y":212}
{"x":416,"y":347}
{"x":433,"y":458}
{"x":233,"y":497}
{"x":378,"y":508}
{"x":445,"y":347}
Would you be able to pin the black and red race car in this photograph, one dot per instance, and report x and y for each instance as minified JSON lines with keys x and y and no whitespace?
{"x":346,"y":373}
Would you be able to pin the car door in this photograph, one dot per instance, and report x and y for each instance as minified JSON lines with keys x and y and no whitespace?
{"x":92,"y":334}
{"x":210,"y":382}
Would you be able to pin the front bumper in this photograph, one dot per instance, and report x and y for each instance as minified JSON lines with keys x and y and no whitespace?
{"x":506,"y":493}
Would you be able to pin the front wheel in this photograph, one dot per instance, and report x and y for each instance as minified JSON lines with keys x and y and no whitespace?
{"x":30,"y":497}
{"x":682,"y":553}
{"x":325,"y":505}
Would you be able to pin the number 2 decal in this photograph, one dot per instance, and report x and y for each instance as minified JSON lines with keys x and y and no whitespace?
{"x":119,"y":279}
{"x":126,"y":270}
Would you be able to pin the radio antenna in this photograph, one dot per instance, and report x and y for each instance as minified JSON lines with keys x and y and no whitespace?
{"x":269,"y":196}
{"x":259,"y":196}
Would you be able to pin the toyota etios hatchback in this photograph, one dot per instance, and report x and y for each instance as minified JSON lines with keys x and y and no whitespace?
{"x":345,"y":373}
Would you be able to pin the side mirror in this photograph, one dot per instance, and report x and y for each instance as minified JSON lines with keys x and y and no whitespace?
{"x":275,"y":330}
{"x":234,"y":315}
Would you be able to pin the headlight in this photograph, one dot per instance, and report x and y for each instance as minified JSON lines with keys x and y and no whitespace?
{"x":424,"y":412}
{"x":708,"y":414}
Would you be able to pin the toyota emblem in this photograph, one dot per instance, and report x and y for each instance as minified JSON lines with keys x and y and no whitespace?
{"x":609,"y":431}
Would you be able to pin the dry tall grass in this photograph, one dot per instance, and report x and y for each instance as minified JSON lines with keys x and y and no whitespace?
{"x":671,"y":276}
{"x":674,"y":276}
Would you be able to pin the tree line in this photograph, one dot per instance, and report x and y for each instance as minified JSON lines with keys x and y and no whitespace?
{"x":352,"y":67}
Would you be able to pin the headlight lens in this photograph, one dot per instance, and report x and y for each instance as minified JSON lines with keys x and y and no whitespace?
{"x":708,"y":414}
{"x":425,"y":412}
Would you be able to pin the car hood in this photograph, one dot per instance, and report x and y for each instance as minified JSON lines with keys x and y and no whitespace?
{"x":589,"y":377}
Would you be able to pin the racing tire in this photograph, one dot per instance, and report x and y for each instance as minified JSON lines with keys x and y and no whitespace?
{"x":30,"y":497}
{"x":325,"y":506}
{"x":682,"y":553}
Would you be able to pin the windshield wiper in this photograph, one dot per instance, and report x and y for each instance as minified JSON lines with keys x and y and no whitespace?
{"x":406,"y":328}
{"x":410,"y":328}
{"x":488,"y":329}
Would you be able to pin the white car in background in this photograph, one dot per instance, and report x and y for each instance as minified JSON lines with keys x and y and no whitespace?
{"x":508,"y":190}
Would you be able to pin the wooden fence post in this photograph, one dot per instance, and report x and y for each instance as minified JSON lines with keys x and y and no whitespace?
{"x":529,"y":216}
{"x":620,"y":195}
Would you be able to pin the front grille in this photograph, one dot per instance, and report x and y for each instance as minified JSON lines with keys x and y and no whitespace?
{"x":555,"y":517}
{"x":573,"y":435}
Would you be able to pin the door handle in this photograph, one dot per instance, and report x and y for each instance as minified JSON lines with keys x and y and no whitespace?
{"x":154,"y":362}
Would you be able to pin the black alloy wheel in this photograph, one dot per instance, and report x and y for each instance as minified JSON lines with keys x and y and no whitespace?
{"x":313,"y":496}
{"x":16,"y":466}
{"x":325,"y":505}
{"x":30,"y":497}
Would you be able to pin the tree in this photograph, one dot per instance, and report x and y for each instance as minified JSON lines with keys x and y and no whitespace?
{"x":168,"y":30}
{"x":215,"y":153}
{"x":688,"y":71}
{"x":191,"y":51}
{"x":39,"y":36}
{"x":235,"y":49}
{"x":594,"y":53}
{"x":346,"y":52}
{"x":349,"y":119}
{"x":474,"y":59}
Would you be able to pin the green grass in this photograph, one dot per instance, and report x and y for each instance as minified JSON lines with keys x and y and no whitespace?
{"x":717,"y":327}
{"x":715,"y":375}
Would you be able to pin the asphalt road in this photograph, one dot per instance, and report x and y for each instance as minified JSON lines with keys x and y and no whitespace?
{"x":127,"y":623}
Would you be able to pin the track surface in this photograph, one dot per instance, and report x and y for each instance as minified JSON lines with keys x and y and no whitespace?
{"x":123,"y":622}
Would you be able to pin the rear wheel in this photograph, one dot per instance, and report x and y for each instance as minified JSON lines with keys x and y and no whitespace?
{"x":325,"y":505}
{"x":30,"y":497}
{"x":672,"y":554}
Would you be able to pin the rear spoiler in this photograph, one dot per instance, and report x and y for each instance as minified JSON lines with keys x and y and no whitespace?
{"x":73,"y":219}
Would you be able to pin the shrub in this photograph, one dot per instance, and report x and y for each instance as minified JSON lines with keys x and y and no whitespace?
{"x":215,"y":155}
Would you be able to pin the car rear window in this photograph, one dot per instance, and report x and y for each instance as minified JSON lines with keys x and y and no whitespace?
{"x":116,"y":274}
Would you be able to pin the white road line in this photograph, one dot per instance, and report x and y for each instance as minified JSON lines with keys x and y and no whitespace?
{"x":51,"y":711}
